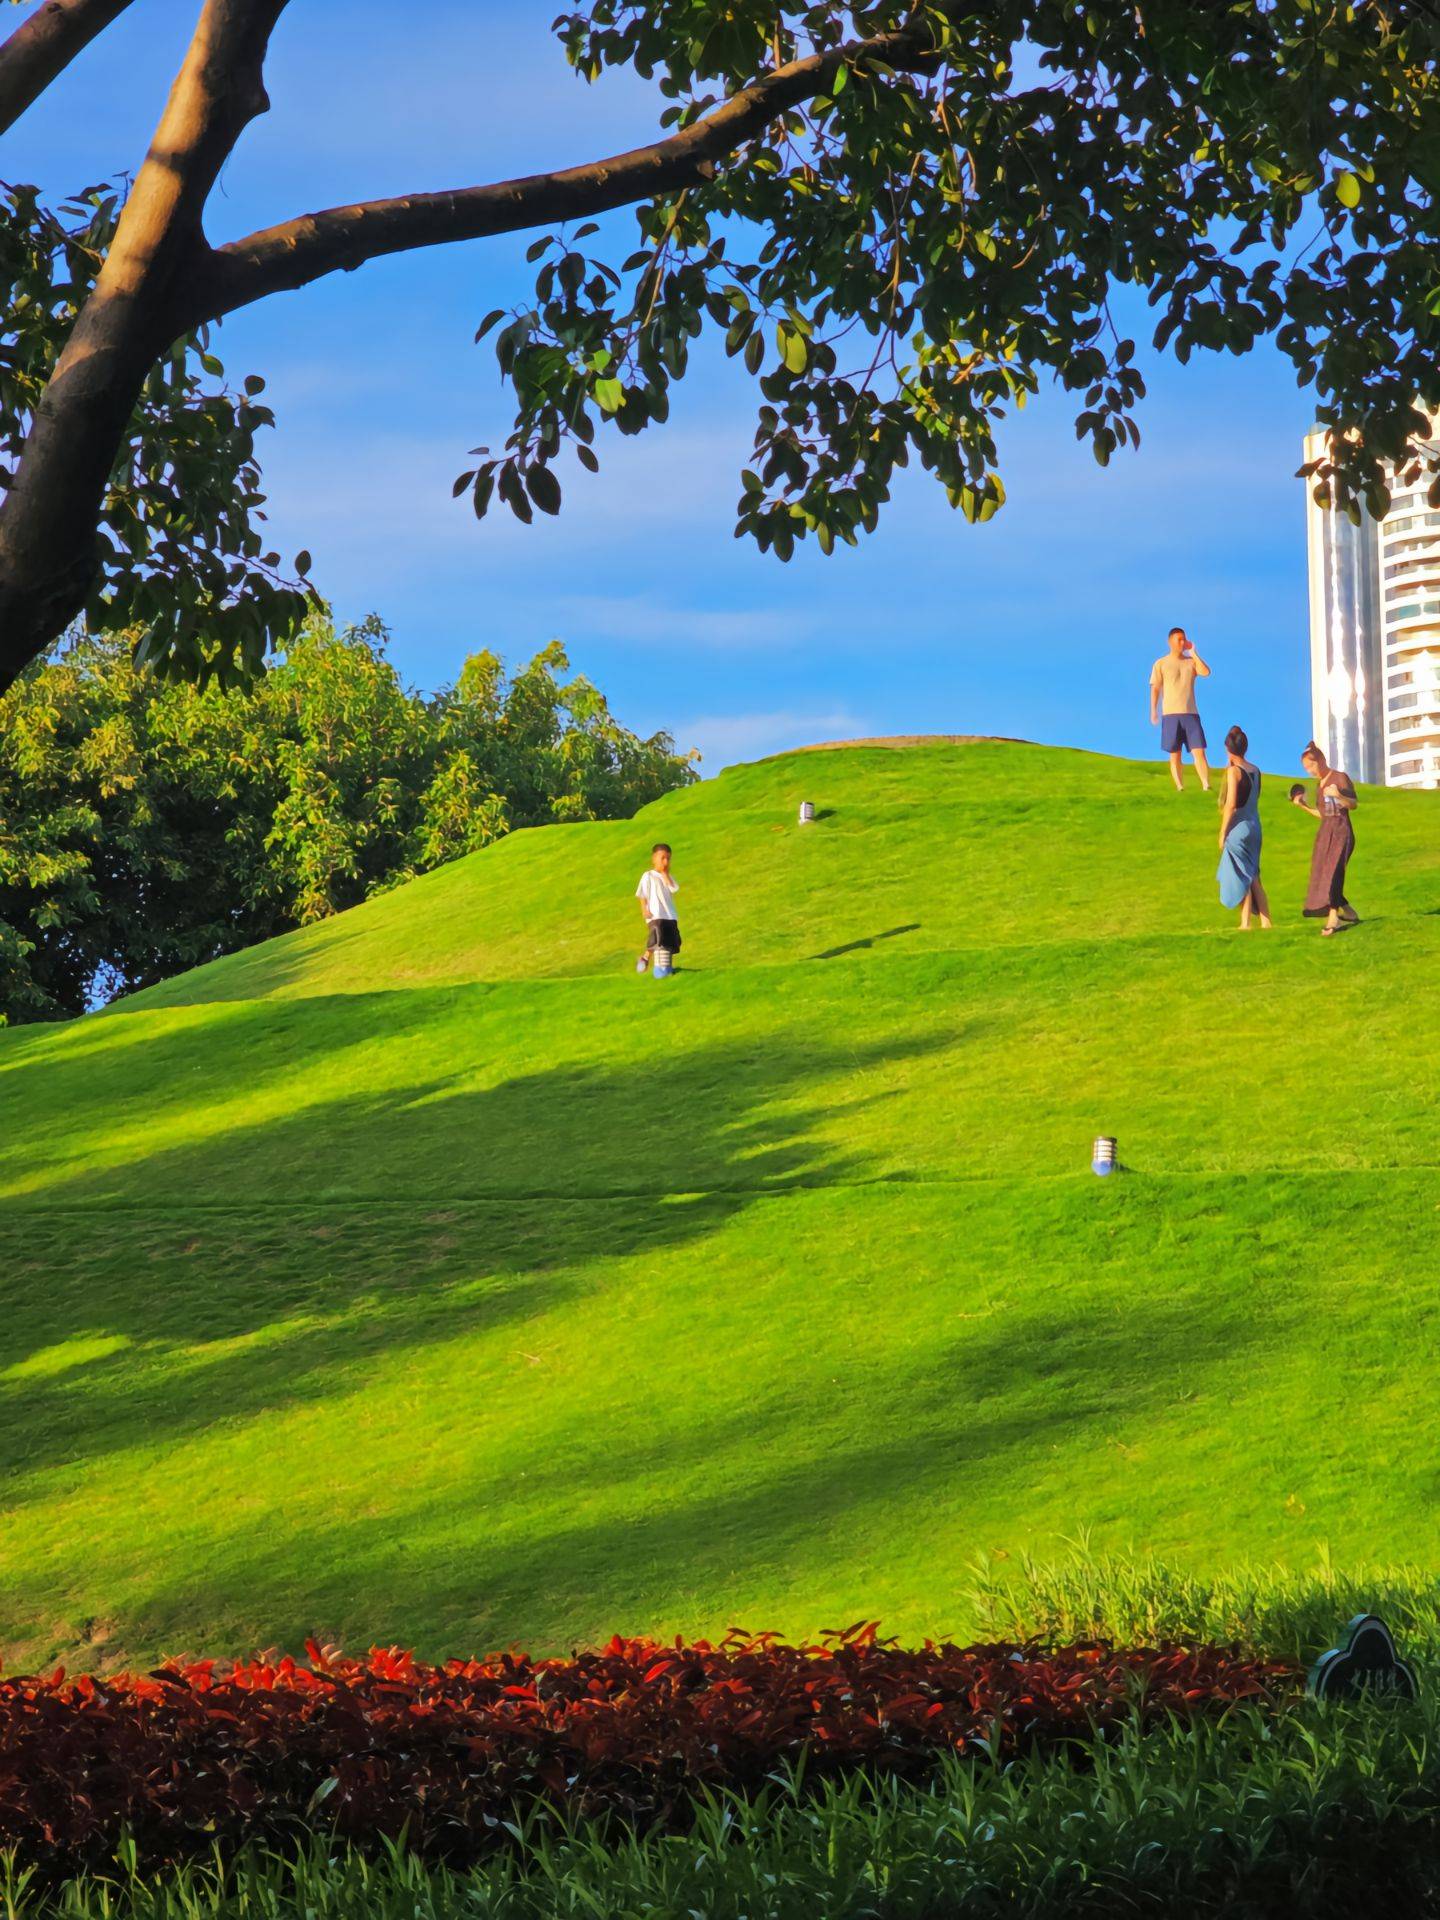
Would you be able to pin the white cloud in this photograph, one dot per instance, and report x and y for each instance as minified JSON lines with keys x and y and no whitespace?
{"x":724,"y":738}
{"x":653,"y":621}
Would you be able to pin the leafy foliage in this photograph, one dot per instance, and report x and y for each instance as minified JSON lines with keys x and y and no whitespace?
{"x":147,"y":825}
{"x":908,"y":255}
{"x":183,"y":558}
{"x":190,"y":1756}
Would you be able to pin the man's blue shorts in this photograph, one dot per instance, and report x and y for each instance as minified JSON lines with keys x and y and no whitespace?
{"x":1181,"y":730}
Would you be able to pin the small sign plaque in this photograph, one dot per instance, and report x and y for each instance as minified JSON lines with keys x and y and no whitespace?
{"x":1366,"y":1661}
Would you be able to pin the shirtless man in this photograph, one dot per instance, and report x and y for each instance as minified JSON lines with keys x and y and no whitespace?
{"x":1172,"y":703}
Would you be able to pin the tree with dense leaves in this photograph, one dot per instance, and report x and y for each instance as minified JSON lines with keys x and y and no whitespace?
{"x":902,"y":215}
{"x":147,"y":825}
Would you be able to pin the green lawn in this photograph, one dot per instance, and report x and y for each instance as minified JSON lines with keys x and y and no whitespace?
{"x":427,"y":1276}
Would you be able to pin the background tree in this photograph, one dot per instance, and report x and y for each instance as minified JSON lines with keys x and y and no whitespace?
{"x":903,"y":215}
{"x":146,"y":825}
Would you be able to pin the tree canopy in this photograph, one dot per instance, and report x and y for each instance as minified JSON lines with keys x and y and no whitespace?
{"x":149,"y":825}
{"x":903,"y":217}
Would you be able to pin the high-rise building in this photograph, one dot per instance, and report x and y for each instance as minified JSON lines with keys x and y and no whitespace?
{"x":1375,"y":636}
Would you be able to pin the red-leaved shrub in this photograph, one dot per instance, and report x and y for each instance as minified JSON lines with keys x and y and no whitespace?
{"x":187,"y":1756}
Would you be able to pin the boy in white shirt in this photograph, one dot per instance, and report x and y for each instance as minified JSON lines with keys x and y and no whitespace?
{"x":656,"y":894}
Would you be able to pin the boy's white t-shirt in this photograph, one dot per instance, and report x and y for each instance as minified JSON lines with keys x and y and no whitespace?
{"x":657,"y":890}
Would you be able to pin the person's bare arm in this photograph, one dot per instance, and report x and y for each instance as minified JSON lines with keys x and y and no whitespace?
{"x":1227,"y":802}
{"x":1154,"y":700}
{"x":1200,"y":666}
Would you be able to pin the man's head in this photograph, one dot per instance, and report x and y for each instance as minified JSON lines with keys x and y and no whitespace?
{"x":1313,"y":760}
{"x":660,"y":856}
{"x":1177,"y":640}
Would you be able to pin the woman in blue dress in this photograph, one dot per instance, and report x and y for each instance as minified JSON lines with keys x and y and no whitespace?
{"x":1239,"y":870}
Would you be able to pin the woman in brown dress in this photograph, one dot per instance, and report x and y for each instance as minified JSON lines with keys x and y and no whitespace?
{"x":1335,"y":801}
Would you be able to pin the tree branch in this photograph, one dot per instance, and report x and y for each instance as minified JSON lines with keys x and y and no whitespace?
{"x":281,"y":258}
{"x":44,"y":45}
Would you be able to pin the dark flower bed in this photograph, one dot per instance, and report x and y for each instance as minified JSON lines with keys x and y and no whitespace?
{"x":188,"y":1756}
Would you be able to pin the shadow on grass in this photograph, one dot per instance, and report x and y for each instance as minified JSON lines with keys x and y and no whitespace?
{"x":382,"y":1098}
{"x":608,"y":1539}
{"x":256,"y":1267}
{"x":860,"y":946}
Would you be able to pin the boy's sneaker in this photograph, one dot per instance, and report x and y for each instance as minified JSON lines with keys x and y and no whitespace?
{"x":642,"y":964}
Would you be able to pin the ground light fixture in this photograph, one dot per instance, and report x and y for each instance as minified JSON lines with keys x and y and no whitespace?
{"x":1102,"y":1155}
{"x":807,"y":811}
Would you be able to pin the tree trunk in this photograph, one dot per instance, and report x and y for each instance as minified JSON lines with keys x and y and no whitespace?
{"x":49,"y":547}
{"x":49,"y":552}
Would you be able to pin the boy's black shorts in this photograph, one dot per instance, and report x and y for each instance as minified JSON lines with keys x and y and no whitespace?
{"x":663,"y":933}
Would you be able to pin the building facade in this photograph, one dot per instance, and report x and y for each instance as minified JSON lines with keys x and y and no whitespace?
{"x":1375,"y":637}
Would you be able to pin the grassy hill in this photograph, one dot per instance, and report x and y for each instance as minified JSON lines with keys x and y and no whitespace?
{"x":427,"y":1276}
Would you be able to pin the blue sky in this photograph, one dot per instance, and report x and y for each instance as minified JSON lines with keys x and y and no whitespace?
{"x":1041,"y":624}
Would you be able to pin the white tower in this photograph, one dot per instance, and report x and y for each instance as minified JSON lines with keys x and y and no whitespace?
{"x":1346,"y":679}
{"x":1375,"y":636}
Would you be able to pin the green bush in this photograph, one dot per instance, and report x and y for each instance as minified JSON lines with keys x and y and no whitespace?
{"x":147,"y":825}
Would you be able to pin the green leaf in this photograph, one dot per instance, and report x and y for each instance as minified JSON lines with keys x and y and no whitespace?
{"x":1347,"y":189}
{"x":302,"y":563}
{"x":544,"y":489}
{"x":514,"y":495}
{"x":609,"y":395}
